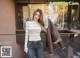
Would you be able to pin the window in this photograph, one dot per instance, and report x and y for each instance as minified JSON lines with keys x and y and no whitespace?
{"x":63,"y":16}
{"x":25,"y":11}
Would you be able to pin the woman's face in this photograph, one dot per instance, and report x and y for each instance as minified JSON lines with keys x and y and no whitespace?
{"x":37,"y":16}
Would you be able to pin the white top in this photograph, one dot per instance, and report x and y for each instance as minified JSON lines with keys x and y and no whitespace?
{"x":33,"y":30}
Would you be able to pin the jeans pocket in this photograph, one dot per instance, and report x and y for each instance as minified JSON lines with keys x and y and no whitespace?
{"x":41,"y":44}
{"x":29,"y":44}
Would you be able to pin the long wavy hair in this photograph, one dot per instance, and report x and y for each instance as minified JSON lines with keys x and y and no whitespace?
{"x":40,"y":20}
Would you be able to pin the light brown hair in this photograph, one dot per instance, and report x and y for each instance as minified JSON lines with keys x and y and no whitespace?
{"x":40,"y":20}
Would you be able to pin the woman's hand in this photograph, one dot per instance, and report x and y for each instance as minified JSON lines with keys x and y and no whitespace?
{"x":26,"y":50}
{"x":57,"y":41}
{"x":44,"y":29}
{"x":60,"y":43}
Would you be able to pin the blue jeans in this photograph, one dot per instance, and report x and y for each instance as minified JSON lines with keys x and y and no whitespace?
{"x":35,"y":50}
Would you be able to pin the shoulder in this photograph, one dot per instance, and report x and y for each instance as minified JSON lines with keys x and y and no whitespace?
{"x":27,"y":22}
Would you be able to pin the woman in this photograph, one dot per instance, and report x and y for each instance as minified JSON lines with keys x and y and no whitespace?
{"x":33,"y":43}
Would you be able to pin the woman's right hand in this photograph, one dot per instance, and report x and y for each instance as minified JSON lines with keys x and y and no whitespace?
{"x":26,"y":50}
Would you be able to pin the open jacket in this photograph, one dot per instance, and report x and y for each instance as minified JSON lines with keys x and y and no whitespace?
{"x":51,"y":36}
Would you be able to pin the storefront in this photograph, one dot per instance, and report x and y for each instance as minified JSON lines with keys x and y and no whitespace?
{"x":13,"y":14}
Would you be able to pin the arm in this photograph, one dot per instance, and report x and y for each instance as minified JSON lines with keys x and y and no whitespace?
{"x":26,"y":38}
{"x":45,"y":25}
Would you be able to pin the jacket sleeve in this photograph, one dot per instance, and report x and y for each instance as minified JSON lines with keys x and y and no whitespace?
{"x":26,"y":36}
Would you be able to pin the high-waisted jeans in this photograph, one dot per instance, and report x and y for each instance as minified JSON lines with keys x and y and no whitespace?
{"x":35,"y":50}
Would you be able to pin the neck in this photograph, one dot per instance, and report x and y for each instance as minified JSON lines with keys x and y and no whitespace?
{"x":35,"y":20}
